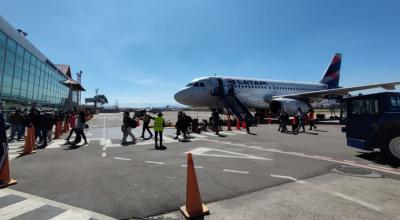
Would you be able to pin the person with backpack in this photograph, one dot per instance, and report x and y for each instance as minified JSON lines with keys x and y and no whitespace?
{"x":159,"y":124}
{"x":127,"y":124}
{"x":146,"y":121}
{"x":79,"y":128}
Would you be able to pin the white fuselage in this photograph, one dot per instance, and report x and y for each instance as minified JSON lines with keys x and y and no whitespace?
{"x":254,"y":93}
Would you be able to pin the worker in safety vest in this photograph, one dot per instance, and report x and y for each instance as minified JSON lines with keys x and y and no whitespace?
{"x":159,"y":124}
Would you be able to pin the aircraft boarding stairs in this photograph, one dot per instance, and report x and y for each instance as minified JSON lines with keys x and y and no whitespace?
{"x":236,"y":107}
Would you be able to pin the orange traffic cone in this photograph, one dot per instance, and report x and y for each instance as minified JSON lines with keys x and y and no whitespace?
{"x":29,"y":142}
{"x":65,"y":127}
{"x":5,"y":176}
{"x":194,"y":207}
{"x":229,"y":123}
{"x":57,"y":133}
{"x":243,"y":124}
{"x":237,"y":124}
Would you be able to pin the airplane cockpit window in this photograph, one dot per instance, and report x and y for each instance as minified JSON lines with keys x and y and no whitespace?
{"x":189,"y":85}
{"x":196,"y":85}
{"x":202,"y":85}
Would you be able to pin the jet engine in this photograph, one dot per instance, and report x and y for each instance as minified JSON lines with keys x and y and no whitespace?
{"x":288,"y":105}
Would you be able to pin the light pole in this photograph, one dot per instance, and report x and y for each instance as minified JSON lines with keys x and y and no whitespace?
{"x":78,"y":95}
{"x":95,"y":99}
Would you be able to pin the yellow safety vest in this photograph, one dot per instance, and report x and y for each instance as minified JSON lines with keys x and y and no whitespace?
{"x":159,"y":124}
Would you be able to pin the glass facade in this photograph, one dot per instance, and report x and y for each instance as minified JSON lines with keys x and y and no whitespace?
{"x":25,"y":79}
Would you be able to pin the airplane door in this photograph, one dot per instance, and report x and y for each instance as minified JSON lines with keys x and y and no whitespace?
{"x":216,"y":86}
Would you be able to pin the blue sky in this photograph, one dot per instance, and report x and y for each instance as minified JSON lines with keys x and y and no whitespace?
{"x":142,"y":52}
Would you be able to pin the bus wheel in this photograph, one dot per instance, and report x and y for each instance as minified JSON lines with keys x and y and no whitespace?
{"x":394,"y":147}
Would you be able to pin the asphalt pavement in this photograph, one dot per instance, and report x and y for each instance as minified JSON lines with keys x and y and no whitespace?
{"x":137,"y":181}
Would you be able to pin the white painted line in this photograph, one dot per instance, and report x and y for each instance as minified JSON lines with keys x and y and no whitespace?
{"x":288,"y":177}
{"x":355,"y":200}
{"x":239,"y":132}
{"x":197,"y":135}
{"x":121,"y":158}
{"x":19,"y":208}
{"x":70,"y":215}
{"x":95,"y":215}
{"x":322,"y":157}
{"x":295,"y":153}
{"x":103,"y":154}
{"x":154,"y":162}
{"x":349,"y":161}
{"x":394,"y":171}
{"x":380,"y":167}
{"x":201,"y":151}
{"x":197,"y":167}
{"x":235,"y":171}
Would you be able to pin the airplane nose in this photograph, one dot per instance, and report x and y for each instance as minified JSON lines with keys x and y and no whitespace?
{"x":182,"y":96}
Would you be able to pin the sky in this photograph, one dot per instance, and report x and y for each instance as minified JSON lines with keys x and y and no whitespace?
{"x":141,"y":52}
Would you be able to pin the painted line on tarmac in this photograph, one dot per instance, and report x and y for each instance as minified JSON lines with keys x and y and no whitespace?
{"x":235,"y":171}
{"x":121,"y":158}
{"x":288,"y":177}
{"x":349,"y":161}
{"x":380,"y":167}
{"x":198,"y":167}
{"x":355,"y":200}
{"x":385,"y":170}
{"x":154,"y":162}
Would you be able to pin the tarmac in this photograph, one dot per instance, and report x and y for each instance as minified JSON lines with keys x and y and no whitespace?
{"x":263,"y":175}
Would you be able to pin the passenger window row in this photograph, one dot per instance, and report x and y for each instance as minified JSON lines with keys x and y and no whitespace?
{"x":277,"y":87}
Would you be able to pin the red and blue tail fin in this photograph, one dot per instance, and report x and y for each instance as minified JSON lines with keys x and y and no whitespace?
{"x":332,"y":74}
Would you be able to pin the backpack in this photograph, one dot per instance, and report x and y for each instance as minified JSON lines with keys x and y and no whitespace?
{"x":133,"y":123}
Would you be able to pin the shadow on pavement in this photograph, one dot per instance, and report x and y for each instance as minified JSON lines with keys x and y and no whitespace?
{"x":377,"y":158}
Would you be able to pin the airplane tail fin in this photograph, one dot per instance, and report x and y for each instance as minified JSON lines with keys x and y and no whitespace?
{"x":332,"y":74}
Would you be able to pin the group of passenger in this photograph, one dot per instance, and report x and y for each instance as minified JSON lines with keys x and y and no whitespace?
{"x":298,"y":121}
{"x":44,"y":122}
{"x":132,"y":122}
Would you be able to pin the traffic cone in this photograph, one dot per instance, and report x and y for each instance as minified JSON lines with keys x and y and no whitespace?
{"x":57,"y":133}
{"x":269,"y":120}
{"x":243,"y":124}
{"x":237,"y":124}
{"x":229,"y":123}
{"x":194,"y":207}
{"x":66,"y":127}
{"x":5,"y":176}
{"x":29,"y":142}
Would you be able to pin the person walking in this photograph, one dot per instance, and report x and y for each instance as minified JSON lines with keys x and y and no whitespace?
{"x":249,"y":122}
{"x":181,"y":125}
{"x":80,"y":126}
{"x":159,"y":124}
{"x":216,"y":121}
{"x":3,"y":138}
{"x":127,"y":128}
{"x":301,"y":118}
{"x":311,"y":119}
{"x":146,"y":121}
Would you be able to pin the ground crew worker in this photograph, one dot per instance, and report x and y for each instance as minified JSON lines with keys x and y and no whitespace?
{"x":159,"y":124}
{"x":146,"y":121}
{"x":248,"y":124}
{"x":311,"y":119}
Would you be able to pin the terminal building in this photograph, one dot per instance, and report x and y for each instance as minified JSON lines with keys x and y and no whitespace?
{"x":28,"y":78}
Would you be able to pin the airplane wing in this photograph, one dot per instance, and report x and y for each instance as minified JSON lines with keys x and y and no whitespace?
{"x":323,"y":94}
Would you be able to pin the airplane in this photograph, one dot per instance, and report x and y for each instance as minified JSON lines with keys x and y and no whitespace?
{"x":214,"y":91}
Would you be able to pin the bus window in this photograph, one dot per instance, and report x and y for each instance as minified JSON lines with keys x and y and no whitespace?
{"x":395,"y":103}
{"x":365,"y":107}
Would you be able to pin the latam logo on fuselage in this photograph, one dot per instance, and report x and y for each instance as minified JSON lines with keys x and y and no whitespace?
{"x":233,"y":82}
